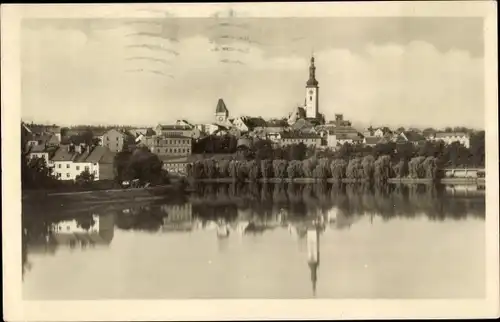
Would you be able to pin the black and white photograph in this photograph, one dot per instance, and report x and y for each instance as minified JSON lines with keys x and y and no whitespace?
{"x":160,"y":153}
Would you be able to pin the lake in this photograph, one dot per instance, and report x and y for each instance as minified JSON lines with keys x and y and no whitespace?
{"x":269,"y":241}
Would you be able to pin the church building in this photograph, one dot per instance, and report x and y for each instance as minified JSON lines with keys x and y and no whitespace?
{"x":310,"y":110}
{"x":221,"y":113}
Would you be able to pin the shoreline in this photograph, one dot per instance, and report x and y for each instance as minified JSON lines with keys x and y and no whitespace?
{"x":466,"y":181}
{"x":109,"y":196}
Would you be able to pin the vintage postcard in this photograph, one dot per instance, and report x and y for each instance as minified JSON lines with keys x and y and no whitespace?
{"x":250,"y":161}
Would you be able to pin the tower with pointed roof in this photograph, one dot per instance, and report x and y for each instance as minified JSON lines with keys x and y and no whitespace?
{"x":312,"y":93}
{"x":221,"y":112}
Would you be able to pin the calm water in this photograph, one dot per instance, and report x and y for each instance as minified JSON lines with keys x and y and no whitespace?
{"x":262,"y":241}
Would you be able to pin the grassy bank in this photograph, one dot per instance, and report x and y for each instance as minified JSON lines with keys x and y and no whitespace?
{"x":102,"y":196}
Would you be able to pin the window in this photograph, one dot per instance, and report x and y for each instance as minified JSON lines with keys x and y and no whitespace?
{"x":107,"y":138}
{"x":116,"y":138}
{"x":95,"y":164}
{"x":310,"y":98}
{"x":86,"y":168}
{"x":68,"y":166}
{"x":58,"y":175}
{"x":77,"y":167}
{"x":67,"y":175}
{"x":59,"y":166}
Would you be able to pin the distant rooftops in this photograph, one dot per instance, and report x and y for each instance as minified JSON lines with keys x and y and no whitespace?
{"x":299,"y":135}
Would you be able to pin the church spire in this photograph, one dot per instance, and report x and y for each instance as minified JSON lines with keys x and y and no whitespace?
{"x":312,"y":74}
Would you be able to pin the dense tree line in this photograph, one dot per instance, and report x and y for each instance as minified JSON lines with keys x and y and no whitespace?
{"x":451,"y":155}
{"x":366,"y":168}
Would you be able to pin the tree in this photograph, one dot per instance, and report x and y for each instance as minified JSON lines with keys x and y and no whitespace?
{"x":368,"y":167}
{"x":209,"y":168}
{"x":308,"y":166}
{"x":280,"y":168}
{"x":233,"y":169}
{"x":338,"y":169}
{"x":382,"y":168}
{"x":401,"y":168}
{"x":266,"y":168}
{"x":84,"y":178}
{"x":263,"y":149}
{"x":325,"y":163}
{"x":294,"y":169}
{"x":430,"y":167}
{"x":354,"y":169}
{"x":297,"y":151}
{"x":223,"y":168}
{"x":477,"y":148}
{"x":253,"y":170}
{"x":416,"y":169}
{"x":321,"y":171}
{"x":35,"y":174}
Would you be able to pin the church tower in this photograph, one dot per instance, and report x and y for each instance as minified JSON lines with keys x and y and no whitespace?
{"x":312,"y":93}
{"x":221,"y":112}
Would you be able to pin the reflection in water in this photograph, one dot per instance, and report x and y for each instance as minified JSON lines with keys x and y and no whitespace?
{"x":306,"y":212}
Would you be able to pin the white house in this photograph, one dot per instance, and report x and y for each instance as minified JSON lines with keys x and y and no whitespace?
{"x":70,"y":161}
{"x":450,"y":137}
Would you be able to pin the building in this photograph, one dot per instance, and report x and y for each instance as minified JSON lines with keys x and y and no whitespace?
{"x":289,"y":138}
{"x":116,"y":140}
{"x":42,"y":152}
{"x":312,"y":93}
{"x":184,"y":123}
{"x":45,"y":140}
{"x":175,"y":164}
{"x":178,"y":130}
{"x":411,"y":137}
{"x":341,"y":134}
{"x":246,"y":123}
{"x":41,"y":130}
{"x":71,"y":160}
{"x":169,"y":145}
{"x":336,"y":140}
{"x":221,"y":113}
{"x":297,"y":114}
{"x":304,"y":126}
{"x":450,"y":137}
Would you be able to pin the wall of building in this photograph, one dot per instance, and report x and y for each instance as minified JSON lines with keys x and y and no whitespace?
{"x":307,"y":141}
{"x":113,"y":140}
{"x":68,"y":170}
{"x":106,"y":171}
{"x":169,"y":146}
{"x":177,"y":167}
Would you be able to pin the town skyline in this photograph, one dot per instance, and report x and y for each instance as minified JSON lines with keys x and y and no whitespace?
{"x":99,"y":70}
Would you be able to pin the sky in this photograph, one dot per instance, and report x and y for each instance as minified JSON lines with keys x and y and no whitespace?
{"x":407,"y":71}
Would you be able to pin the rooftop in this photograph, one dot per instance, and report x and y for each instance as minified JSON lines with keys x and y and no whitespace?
{"x":221,"y":107}
{"x":175,"y":127}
